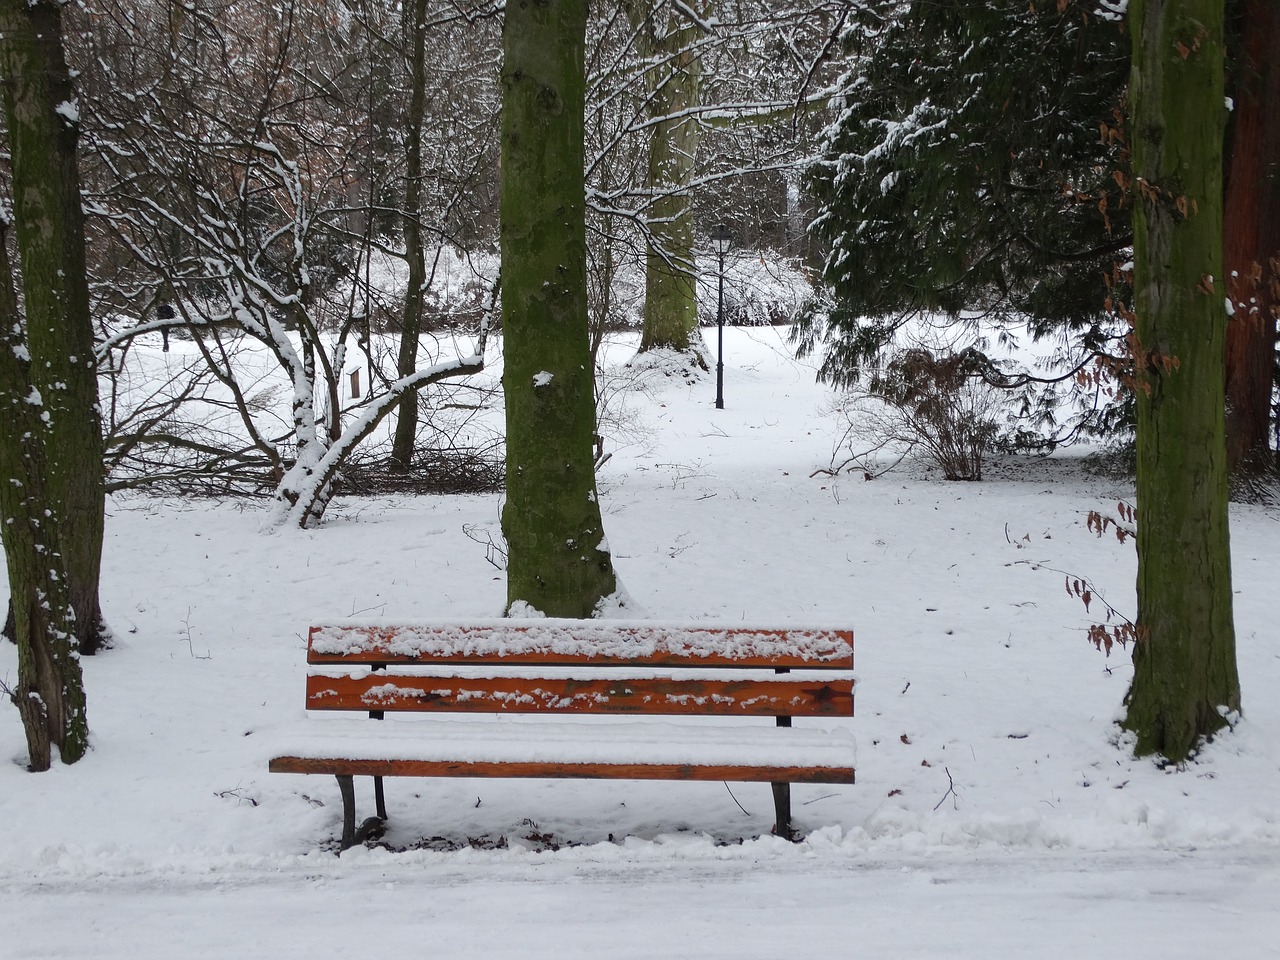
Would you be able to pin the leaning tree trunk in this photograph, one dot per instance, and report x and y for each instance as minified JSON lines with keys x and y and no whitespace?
{"x":1251,"y":242}
{"x":406,"y":435}
{"x":558,"y":561}
{"x":1185,"y":676}
{"x":673,"y":84}
{"x":49,"y":228}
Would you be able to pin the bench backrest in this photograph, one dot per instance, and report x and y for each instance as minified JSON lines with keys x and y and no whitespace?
{"x":582,"y":667}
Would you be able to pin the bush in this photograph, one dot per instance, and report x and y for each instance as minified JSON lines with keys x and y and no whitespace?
{"x":936,"y":406}
{"x":941,"y":403}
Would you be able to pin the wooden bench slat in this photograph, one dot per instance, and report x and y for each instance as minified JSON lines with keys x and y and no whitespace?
{"x":801,"y":697}
{"x":571,"y":742}
{"x":595,"y":771}
{"x":602,"y":642}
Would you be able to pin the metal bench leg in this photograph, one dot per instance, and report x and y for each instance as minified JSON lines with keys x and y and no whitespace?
{"x":782,"y":808}
{"x":782,"y":793}
{"x":347,"y":788}
{"x":379,"y":801}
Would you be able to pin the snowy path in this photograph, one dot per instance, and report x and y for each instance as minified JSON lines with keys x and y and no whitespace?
{"x":1222,"y":903}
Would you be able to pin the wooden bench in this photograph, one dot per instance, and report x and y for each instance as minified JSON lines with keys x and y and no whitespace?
{"x":585,"y":671}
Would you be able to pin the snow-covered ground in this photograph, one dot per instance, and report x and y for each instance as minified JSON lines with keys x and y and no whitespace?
{"x":996,"y":813}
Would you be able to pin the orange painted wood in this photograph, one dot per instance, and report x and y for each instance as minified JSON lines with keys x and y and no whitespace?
{"x":382,"y":644}
{"x":588,"y":771}
{"x":797,"y":697}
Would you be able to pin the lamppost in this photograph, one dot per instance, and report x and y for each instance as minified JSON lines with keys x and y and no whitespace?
{"x":721,"y":240}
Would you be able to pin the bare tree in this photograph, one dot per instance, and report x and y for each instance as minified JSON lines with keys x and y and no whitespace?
{"x":715,"y":97}
{"x":229,"y":162}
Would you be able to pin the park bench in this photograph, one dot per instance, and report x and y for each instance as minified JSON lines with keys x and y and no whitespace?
{"x":582,"y":672}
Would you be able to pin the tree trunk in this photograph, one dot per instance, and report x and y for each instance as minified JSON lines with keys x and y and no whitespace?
{"x":1184,"y":660}
{"x":50,"y":691}
{"x":558,"y":561}
{"x":674,"y":89}
{"x":1251,"y":245}
{"x":406,"y":434}
{"x":49,"y":228}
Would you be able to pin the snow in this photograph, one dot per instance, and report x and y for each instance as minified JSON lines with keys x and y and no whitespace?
{"x":997,"y":813}
{"x":570,"y":639}
{"x":69,"y":111}
{"x":504,"y":741}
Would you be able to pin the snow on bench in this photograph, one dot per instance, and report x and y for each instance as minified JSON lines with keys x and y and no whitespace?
{"x":571,"y":674}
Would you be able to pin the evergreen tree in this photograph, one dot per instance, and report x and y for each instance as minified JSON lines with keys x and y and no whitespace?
{"x":971,"y":168}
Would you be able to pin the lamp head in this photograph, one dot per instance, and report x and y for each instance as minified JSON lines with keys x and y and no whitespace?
{"x":721,"y":239}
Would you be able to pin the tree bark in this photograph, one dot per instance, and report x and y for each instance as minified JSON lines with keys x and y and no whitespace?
{"x":1251,"y":244}
{"x":50,"y":691}
{"x":558,"y":561}
{"x":49,"y":228}
{"x":406,"y":435}
{"x":1185,"y":680}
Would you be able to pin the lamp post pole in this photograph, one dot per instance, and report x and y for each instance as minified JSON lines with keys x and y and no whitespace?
{"x":721,"y":241}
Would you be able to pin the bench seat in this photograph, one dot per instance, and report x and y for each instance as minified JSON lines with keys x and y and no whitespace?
{"x":594,"y":749}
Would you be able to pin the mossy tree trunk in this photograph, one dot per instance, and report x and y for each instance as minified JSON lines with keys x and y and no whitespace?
{"x":1251,"y":241}
{"x":50,"y":692}
{"x":406,"y":434}
{"x":1184,"y":660}
{"x":558,"y":561}
{"x":43,"y":126}
{"x":51,"y":485}
{"x":667,"y":38}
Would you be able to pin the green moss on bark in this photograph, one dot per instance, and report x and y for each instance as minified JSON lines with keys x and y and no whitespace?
{"x":558,"y":561}
{"x":49,"y":226}
{"x":49,"y":693}
{"x":1184,"y":664}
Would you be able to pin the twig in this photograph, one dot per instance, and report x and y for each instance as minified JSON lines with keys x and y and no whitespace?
{"x":239,"y":796}
{"x":186,"y":628}
{"x":493,"y":553}
{"x":816,"y":799}
{"x":735,"y":799}
{"x":1087,"y":591}
{"x":951,"y":792}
